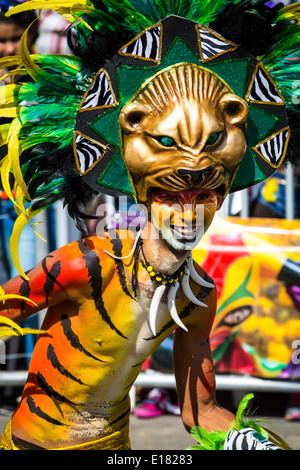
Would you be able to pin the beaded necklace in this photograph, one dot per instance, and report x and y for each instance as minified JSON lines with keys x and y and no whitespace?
{"x":172,"y":282}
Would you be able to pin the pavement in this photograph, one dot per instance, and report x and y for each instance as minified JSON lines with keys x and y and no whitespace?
{"x":167,"y":432}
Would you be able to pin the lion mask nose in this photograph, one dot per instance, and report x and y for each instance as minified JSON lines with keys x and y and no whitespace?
{"x":196,"y":177}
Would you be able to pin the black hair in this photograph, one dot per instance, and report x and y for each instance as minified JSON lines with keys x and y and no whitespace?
{"x":23,"y":19}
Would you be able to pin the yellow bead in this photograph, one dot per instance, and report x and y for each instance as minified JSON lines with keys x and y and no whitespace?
{"x":149,"y":269}
{"x":170,"y":281}
{"x":152,"y":274}
{"x":175,"y":279}
{"x":164,"y":282}
{"x":158,"y":278}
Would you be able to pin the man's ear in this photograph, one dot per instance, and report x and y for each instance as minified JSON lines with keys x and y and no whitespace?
{"x":234,"y":109}
{"x":132,"y":117}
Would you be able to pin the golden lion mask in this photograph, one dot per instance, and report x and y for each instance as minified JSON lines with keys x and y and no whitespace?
{"x":184,"y":129}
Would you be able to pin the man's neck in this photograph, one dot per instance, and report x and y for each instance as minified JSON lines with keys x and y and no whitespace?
{"x":159,"y":254}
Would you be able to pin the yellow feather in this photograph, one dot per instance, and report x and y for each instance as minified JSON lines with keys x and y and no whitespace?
{"x":10,"y":323}
{"x":13,"y":155}
{"x":5,"y":171}
{"x":17,"y":330}
{"x":10,"y":61}
{"x":8,"y":95}
{"x":64,"y":7}
{"x":4,"y":128}
{"x":20,"y":223}
{"x":8,"y":112}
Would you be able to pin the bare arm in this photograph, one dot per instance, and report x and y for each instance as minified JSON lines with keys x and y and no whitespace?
{"x":195,"y":375}
{"x":61,"y":276}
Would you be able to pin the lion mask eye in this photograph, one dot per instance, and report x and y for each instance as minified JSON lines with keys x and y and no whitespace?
{"x":213,"y":138}
{"x":166,"y":141}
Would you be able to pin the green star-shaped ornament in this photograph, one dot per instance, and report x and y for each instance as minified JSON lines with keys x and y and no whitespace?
{"x":234,"y":68}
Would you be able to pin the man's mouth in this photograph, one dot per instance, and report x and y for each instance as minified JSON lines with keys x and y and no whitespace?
{"x":188,"y":234}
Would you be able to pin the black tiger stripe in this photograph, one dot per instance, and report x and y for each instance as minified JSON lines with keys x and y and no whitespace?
{"x":139,"y":363}
{"x":121,"y":416}
{"x":24,"y":291}
{"x":117,"y":250}
{"x":73,"y":338}
{"x":51,"y":392}
{"x":129,"y":386}
{"x":52,"y":357}
{"x":95,"y":274}
{"x":51,"y":277}
{"x":41,"y":414}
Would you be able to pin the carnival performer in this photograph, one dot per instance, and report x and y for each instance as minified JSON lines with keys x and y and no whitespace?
{"x":175,"y":104}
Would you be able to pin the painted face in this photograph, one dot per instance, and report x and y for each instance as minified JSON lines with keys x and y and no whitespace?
{"x":10,"y":37}
{"x":182,"y":217}
{"x":183,"y":131}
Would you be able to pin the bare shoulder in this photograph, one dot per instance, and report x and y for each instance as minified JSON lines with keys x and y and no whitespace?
{"x":78,"y":259}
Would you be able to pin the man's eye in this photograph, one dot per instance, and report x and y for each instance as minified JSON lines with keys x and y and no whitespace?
{"x":166,"y":141}
{"x":212,"y":139}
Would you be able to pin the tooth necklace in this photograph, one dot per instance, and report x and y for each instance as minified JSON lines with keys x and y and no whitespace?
{"x":180,"y":278}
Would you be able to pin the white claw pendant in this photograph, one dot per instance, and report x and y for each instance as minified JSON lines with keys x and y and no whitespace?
{"x":172,"y":305}
{"x":195,"y":276}
{"x":188,"y":291}
{"x":185,"y":284}
{"x":157,"y":296}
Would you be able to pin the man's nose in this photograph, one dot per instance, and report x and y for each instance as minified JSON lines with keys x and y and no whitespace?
{"x":11,"y":48}
{"x":196,"y":177}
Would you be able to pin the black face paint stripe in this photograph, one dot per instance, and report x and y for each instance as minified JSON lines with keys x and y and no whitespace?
{"x":24,"y":291}
{"x":51,"y":277}
{"x":51,"y":392}
{"x":41,"y":414}
{"x":73,"y":338}
{"x":94,"y":272}
{"x":117,"y":250}
{"x":52,"y":357}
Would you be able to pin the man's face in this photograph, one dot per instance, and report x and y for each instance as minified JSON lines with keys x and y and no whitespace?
{"x":10,"y":36}
{"x":182,"y":217}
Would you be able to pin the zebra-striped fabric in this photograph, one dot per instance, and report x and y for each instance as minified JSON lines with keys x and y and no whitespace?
{"x":273,"y":149}
{"x":88,"y":153}
{"x":263,"y":89}
{"x":146,"y":46}
{"x":247,"y":439}
{"x":99,"y":94}
{"x":213,"y":45}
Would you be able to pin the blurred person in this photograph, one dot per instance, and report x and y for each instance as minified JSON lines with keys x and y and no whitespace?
{"x":11,"y":31}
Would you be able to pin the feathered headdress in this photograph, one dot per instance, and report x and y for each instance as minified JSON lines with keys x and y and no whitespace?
{"x":63,"y":139}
